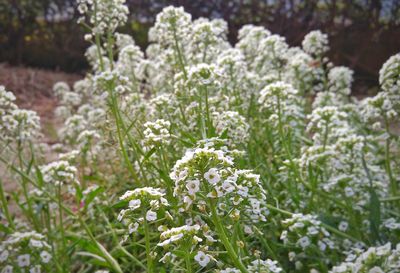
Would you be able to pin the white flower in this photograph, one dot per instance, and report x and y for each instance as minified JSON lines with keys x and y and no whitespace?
{"x":228,"y":186}
{"x":151,"y":216}
{"x":230,"y":270}
{"x":133,"y":227}
{"x":35,"y":269}
{"x":376,"y":269}
{"x":212,"y":176}
{"x":248,"y":229}
{"x":134,"y":204}
{"x":4,"y":256}
{"x":202,"y":258}
{"x":46,"y":257}
{"x":312,"y":230}
{"x":36,"y":243}
{"x":321,"y":245}
{"x":343,"y":226}
{"x":7,"y":269}
{"x":193,"y":186}
{"x":304,"y":242}
{"x":24,"y":260}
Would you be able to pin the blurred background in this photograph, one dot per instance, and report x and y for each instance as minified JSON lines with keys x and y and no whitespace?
{"x":363,"y":33}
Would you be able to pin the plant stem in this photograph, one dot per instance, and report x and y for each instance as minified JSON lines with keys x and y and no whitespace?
{"x":147,"y":243}
{"x":225,"y":240}
{"x":61,"y":223}
{"x":188,"y":261}
{"x":4,"y":204}
{"x":106,"y":255}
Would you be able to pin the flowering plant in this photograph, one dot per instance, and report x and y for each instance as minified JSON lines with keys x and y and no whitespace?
{"x":201,"y":156}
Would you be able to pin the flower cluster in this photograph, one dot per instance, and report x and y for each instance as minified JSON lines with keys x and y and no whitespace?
{"x":25,"y":252}
{"x":259,"y":266}
{"x":210,"y":173}
{"x":144,"y":205}
{"x":59,"y":173}
{"x":157,"y":133}
{"x":281,"y":100}
{"x":374,"y":259}
{"x":252,"y":157}
{"x":104,"y":15}
{"x":233,"y":125}
{"x":16,"y":124}
{"x":316,"y":43}
{"x":306,"y":236}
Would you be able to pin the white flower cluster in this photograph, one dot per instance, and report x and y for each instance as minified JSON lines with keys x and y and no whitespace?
{"x":389,"y":75}
{"x":381,"y":259}
{"x":316,"y":43}
{"x":104,"y":15}
{"x":340,"y":80}
{"x":309,"y":231}
{"x":258,"y":266}
{"x":327,"y":123}
{"x":171,"y":23}
{"x":16,"y":124}
{"x":315,"y":149}
{"x":157,"y":133}
{"x":385,"y":105}
{"x":65,"y":95}
{"x":25,"y":252}
{"x":174,"y":235}
{"x":380,"y":109}
{"x":144,"y":204}
{"x":189,"y":238}
{"x":233,"y":125}
{"x":283,"y":102}
{"x":207,"y":38}
{"x":250,"y":37}
{"x":59,"y":173}
{"x":306,"y":236}
{"x":210,"y":173}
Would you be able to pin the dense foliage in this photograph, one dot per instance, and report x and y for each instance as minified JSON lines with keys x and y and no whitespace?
{"x":200,"y":156}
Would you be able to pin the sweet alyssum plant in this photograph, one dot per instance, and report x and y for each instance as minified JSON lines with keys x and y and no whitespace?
{"x":201,"y":156}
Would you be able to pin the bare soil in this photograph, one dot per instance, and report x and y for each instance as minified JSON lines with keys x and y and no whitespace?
{"x":34,"y":87}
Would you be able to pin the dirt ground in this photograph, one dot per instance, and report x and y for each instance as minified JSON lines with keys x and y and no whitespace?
{"x":34,"y":87}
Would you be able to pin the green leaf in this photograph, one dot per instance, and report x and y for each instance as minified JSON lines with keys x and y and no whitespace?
{"x":91,"y":195}
{"x":149,"y":153}
{"x":374,"y":215}
{"x":39,"y":177}
{"x":120,"y":204}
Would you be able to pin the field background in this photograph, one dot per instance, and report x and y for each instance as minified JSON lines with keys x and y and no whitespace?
{"x":363,"y":33}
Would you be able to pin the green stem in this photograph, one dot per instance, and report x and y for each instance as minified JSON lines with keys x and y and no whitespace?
{"x":97,"y":39}
{"x":114,"y":110}
{"x":106,"y":255}
{"x":61,"y":223}
{"x":188,"y":262}
{"x":4,"y":204}
{"x":147,"y":243}
{"x":225,"y":240}
{"x":178,"y":52}
{"x":110,"y":43}
{"x":31,"y":212}
{"x":326,"y":133}
{"x":51,"y":240}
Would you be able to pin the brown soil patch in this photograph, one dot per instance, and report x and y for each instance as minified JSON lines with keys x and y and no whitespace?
{"x":34,"y":87}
